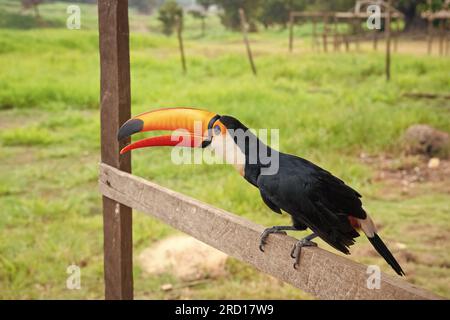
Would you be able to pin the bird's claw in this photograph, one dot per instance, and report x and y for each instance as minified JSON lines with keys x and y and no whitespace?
{"x":292,"y":252}
{"x":265,"y":234}
{"x":297,"y":248}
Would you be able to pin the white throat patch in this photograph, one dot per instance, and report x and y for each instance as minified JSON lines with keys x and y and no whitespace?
{"x":226,"y":149}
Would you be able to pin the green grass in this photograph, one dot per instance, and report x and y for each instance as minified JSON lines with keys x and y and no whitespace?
{"x":329,"y":108}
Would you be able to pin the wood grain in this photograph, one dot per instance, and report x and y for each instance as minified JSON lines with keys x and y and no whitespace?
{"x":115,"y":110}
{"x":321,"y":273}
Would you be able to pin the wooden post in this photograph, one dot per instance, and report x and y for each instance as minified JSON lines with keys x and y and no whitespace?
{"x":441,"y":37}
{"x":430,"y":35}
{"x":314,"y":34}
{"x":375,"y":40}
{"x":447,"y":46}
{"x":247,"y":44}
{"x":446,"y":37}
{"x":291,"y":31}
{"x":203,"y":24}
{"x":388,"y":40}
{"x":397,"y":32}
{"x":36,"y":11}
{"x":346,"y":38}
{"x":430,"y":28}
{"x":115,"y":110}
{"x":356,"y":32}
{"x":324,"y":33}
{"x":179,"y":26}
{"x":335,"y":33}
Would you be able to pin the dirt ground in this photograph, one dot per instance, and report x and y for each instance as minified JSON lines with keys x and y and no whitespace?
{"x":184,"y":257}
{"x":409,"y":174}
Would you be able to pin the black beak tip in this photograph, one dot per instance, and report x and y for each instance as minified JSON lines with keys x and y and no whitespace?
{"x":130,"y":127}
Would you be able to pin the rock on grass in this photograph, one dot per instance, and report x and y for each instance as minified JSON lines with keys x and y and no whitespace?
{"x":426,"y":140}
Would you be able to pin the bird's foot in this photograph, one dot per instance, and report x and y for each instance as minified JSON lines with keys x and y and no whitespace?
{"x":297,"y":248}
{"x":266,"y":232}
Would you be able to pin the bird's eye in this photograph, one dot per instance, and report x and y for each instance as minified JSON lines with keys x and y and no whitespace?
{"x":217,"y":130}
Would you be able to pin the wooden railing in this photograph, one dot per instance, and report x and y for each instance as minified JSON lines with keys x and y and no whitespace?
{"x":321,"y":273}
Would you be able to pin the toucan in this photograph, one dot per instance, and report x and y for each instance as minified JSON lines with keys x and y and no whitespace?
{"x":312,"y":196}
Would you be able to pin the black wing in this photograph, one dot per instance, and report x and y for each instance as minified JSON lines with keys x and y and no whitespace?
{"x":269,"y":203}
{"x":315,"y":197}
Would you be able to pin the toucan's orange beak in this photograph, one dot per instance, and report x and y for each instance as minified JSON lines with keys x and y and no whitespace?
{"x":190,"y":128}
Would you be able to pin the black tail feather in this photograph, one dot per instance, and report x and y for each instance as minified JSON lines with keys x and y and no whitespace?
{"x":381,"y":248}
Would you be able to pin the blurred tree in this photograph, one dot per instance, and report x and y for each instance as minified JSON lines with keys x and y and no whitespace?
{"x":277,"y":11}
{"x":202,"y":14}
{"x":205,"y":3}
{"x":230,"y":15}
{"x":411,"y":9}
{"x":80,"y":1}
{"x":27,"y":4}
{"x":440,"y":4}
{"x":167,"y":13}
{"x":326,"y":5}
{"x":145,"y":6}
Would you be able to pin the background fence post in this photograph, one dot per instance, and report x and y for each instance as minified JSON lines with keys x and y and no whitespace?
{"x":291,"y":31}
{"x":247,"y":44}
{"x":324,"y":33}
{"x":430,"y":35}
{"x":179,"y":26}
{"x":388,"y":40}
{"x":115,"y":110}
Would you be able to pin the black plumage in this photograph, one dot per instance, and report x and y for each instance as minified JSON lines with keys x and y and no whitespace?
{"x":313,"y":197}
